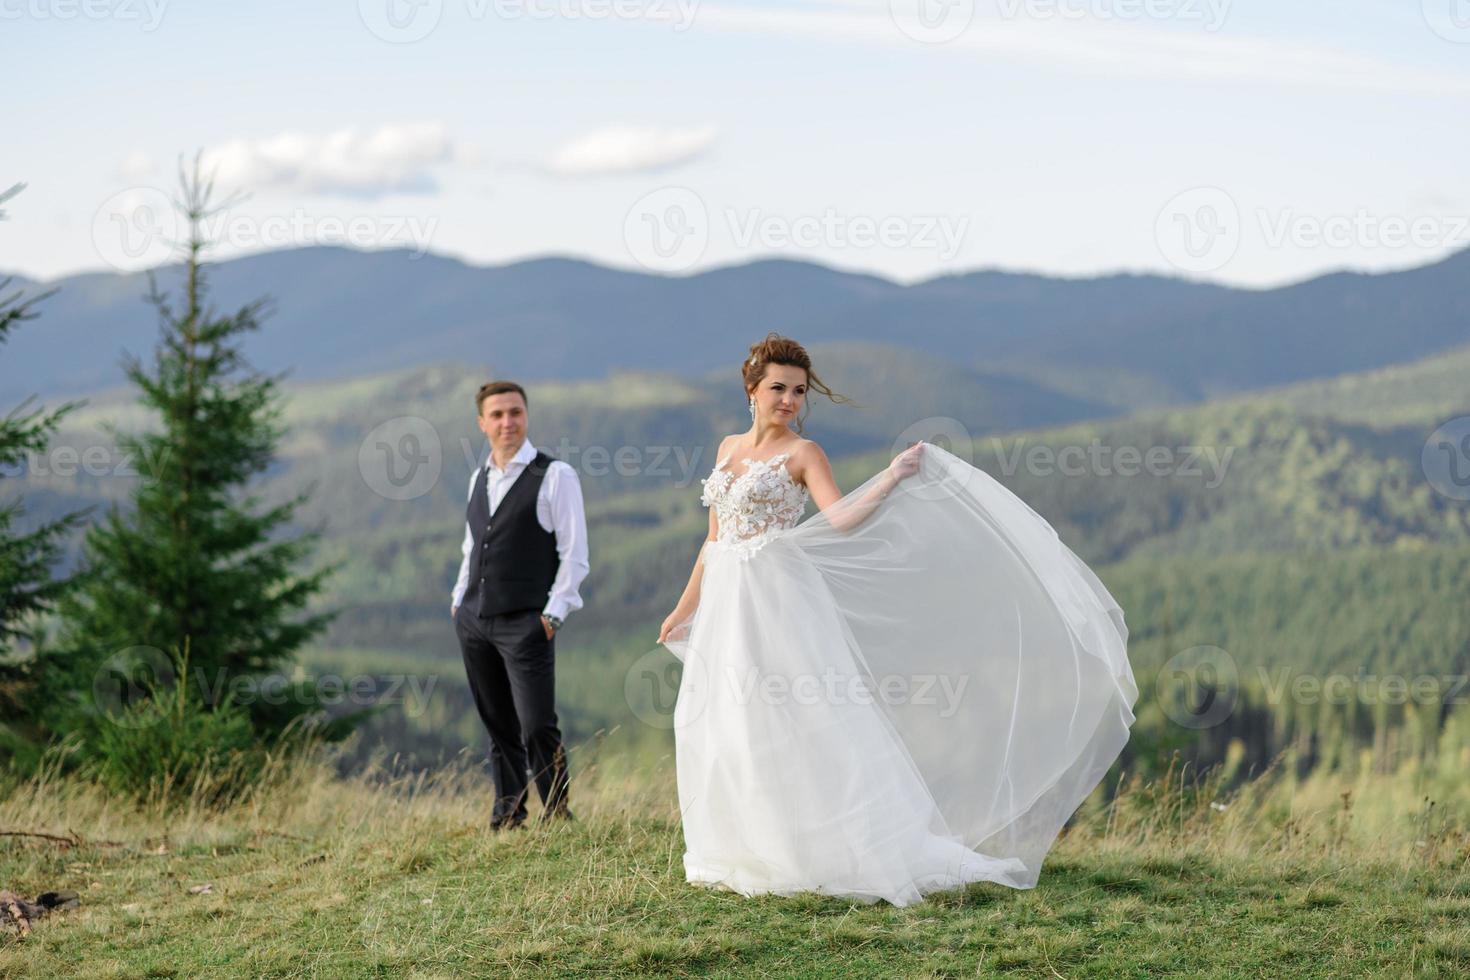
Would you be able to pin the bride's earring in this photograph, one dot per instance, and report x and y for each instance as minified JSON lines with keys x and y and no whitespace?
{"x":752,"y":408}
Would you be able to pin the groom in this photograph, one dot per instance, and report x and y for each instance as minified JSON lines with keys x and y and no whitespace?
{"x":525,"y":554}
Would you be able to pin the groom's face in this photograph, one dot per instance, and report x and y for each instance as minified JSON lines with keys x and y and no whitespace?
{"x":503,"y":420}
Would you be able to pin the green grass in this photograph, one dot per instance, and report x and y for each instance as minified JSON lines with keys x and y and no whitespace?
{"x":399,"y":877}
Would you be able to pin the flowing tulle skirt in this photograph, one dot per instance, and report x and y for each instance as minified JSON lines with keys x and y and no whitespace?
{"x":898,"y":707}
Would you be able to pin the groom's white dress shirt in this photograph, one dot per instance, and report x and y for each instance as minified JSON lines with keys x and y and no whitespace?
{"x":558,"y":510}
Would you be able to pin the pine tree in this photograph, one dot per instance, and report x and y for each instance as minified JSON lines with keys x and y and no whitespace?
{"x":27,"y":588}
{"x":199,"y":563}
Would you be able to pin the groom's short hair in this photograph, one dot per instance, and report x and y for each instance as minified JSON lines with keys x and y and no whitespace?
{"x":498,"y":388}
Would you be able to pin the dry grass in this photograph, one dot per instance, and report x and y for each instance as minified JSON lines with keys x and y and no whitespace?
{"x":396,"y":875}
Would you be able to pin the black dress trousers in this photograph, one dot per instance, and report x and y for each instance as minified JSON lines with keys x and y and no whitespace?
{"x":511,"y":667}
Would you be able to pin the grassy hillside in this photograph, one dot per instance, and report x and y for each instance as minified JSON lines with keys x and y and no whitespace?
{"x":399,"y":877}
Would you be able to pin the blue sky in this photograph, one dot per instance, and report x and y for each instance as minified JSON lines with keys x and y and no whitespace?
{"x":1248,"y":142}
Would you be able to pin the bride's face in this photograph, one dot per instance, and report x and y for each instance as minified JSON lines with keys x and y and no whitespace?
{"x":780,"y":395}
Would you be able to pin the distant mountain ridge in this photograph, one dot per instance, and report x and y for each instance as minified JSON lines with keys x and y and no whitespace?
{"x":1120,"y":341}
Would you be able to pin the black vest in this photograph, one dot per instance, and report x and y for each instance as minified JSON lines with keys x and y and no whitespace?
{"x":514,"y":560}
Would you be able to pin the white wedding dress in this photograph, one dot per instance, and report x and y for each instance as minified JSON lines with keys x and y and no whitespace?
{"x":896,"y":707}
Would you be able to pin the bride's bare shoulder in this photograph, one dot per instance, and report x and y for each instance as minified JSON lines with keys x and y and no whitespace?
{"x":805,"y":453}
{"x":806,"y":447}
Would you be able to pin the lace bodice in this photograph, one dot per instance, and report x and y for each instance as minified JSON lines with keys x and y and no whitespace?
{"x":752,"y":504}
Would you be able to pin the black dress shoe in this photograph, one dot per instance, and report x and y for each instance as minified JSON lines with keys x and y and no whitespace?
{"x":559,"y":814}
{"x":507,"y":823}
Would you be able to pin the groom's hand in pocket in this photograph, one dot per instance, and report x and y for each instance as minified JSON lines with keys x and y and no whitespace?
{"x":546,"y":626}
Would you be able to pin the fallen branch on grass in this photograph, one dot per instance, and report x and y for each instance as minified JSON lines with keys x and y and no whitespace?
{"x":74,"y":840}
{"x":19,"y":915}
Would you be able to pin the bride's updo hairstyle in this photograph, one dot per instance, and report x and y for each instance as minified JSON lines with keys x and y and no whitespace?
{"x":776,"y":349}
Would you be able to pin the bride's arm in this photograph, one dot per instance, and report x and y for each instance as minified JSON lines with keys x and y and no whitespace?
{"x":816,"y":473}
{"x":689,"y":600}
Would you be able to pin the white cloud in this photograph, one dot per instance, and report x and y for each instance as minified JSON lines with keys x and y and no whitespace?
{"x":630,"y":149}
{"x":137,"y":168}
{"x":388,"y":159}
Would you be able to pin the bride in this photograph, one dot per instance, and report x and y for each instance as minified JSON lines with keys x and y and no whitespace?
{"x":909,"y":691}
